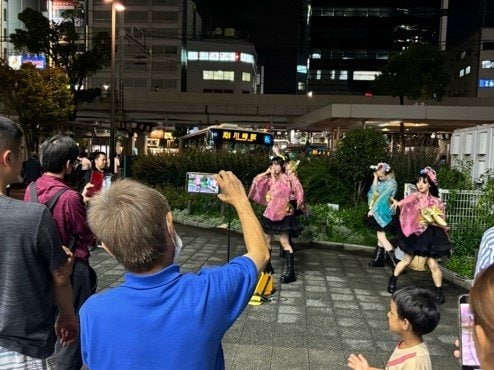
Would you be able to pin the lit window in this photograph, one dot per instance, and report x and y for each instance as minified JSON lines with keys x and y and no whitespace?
{"x":246,"y":76}
{"x":301,"y":69}
{"x":487,"y":64}
{"x":192,"y":55}
{"x":467,"y":70}
{"x":247,"y":58}
{"x":301,"y":86}
{"x":365,"y":75}
{"x":203,"y":55}
{"x":318,"y":74}
{"x":214,"y":55}
{"x":462,"y":73}
{"x":316,"y":56}
{"x":343,"y":75}
{"x":227,"y":57}
{"x":207,"y":75}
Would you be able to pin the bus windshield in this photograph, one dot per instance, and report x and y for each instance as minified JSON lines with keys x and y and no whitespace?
{"x":233,"y":139}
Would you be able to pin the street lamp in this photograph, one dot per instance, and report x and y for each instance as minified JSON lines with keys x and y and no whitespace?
{"x":115,"y":6}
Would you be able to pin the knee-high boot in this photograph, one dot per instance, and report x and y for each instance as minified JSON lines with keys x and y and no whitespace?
{"x":289,"y":275}
{"x":379,"y":258}
{"x":392,"y":259}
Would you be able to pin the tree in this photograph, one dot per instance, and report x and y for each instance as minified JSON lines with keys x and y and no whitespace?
{"x":360,"y":148}
{"x":61,"y":44}
{"x":418,"y":73}
{"x":40,"y":99}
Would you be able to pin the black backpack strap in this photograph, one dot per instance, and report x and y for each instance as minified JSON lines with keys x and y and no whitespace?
{"x":54,"y":198}
{"x":33,"y":196}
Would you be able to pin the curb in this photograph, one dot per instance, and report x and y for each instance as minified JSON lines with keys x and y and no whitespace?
{"x":448,"y":275}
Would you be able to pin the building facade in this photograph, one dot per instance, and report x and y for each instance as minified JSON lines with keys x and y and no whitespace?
{"x":349,"y":41}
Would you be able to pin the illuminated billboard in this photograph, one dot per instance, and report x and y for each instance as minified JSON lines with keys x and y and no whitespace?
{"x":15,"y":61}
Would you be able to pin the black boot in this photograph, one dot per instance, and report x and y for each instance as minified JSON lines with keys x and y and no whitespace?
{"x":392,"y":284}
{"x":379,"y":258}
{"x":440,"y":295}
{"x":289,"y":275}
{"x":282,"y":252}
{"x":393,"y":261}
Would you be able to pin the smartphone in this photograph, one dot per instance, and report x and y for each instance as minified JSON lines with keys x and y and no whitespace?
{"x":96,"y":179}
{"x":469,"y":359}
{"x":199,"y":182}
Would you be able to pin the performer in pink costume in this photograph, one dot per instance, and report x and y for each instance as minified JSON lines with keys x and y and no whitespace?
{"x":274,"y":189}
{"x":424,"y":229}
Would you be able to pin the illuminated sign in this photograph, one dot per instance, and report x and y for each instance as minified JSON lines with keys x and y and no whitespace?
{"x":486,"y":83}
{"x":15,"y":61}
{"x":244,"y":136}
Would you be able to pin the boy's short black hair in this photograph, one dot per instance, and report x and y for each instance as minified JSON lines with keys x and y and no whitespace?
{"x":56,"y":151}
{"x":419,"y":307}
{"x":10,"y":135}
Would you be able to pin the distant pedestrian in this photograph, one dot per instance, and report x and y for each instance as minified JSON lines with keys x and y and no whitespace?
{"x":380,"y":216}
{"x":159,"y":318}
{"x":413,"y":313}
{"x":424,"y":229}
{"x":31,"y":169}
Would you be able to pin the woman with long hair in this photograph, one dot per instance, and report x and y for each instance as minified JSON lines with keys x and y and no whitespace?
{"x":273,"y":189}
{"x":424,"y":230}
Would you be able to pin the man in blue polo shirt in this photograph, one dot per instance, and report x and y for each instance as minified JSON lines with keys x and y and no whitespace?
{"x":159,"y":318}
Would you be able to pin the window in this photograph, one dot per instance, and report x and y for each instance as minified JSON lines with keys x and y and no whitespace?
{"x":166,"y":17}
{"x":192,"y":55}
{"x":365,"y":75}
{"x":301,"y":69}
{"x":247,"y":58}
{"x":467,"y":70}
{"x":246,"y":76}
{"x":157,"y":50}
{"x":171,"y":49}
{"x":301,"y":86}
{"x":462,"y":72}
{"x":316,"y":55}
{"x":318,"y":74}
{"x":218,"y":75}
{"x":158,"y":67}
{"x":227,"y":56}
{"x":487,"y":64}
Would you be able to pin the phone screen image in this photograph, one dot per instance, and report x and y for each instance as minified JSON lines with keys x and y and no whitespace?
{"x":469,"y":359}
{"x":204,"y":183}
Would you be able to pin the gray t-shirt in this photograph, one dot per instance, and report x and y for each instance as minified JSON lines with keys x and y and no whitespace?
{"x":30,"y":251}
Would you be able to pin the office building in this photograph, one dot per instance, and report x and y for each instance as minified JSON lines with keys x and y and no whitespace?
{"x":347,"y":42}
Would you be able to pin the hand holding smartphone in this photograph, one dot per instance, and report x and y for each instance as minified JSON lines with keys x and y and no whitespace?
{"x":469,"y":359}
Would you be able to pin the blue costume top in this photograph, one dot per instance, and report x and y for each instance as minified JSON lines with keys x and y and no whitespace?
{"x":166,"y":320}
{"x":379,"y":200}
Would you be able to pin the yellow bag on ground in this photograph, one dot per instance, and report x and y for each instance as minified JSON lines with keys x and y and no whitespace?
{"x":264,"y":288}
{"x":418,"y":263}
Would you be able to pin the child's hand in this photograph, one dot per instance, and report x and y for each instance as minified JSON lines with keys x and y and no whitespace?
{"x":357,"y":362}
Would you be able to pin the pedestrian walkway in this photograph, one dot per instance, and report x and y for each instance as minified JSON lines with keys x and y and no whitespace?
{"x":337,"y":306}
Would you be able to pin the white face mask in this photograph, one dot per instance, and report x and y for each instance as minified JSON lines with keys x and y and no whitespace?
{"x":178,"y":246}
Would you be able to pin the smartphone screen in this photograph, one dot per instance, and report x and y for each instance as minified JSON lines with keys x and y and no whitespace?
{"x":469,"y":360}
{"x":204,"y":183}
{"x":97,"y":179}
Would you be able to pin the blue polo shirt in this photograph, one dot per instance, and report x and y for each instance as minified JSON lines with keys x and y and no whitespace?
{"x":167,"y":319}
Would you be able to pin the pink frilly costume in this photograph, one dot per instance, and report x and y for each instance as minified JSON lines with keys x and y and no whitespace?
{"x":276,"y":194}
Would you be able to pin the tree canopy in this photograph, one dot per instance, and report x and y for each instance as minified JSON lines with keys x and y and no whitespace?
{"x":40,"y":99}
{"x":62,"y":45}
{"x":419,"y":73}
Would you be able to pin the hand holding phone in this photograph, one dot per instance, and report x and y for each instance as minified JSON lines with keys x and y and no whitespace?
{"x":469,"y":359}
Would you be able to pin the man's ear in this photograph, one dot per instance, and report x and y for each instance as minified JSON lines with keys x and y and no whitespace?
{"x":6,"y":157}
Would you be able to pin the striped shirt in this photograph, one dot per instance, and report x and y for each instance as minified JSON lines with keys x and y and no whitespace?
{"x":486,"y":252}
{"x":416,"y":358}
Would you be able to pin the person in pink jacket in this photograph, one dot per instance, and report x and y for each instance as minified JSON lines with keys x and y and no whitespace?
{"x":424,"y":229}
{"x":274,"y":189}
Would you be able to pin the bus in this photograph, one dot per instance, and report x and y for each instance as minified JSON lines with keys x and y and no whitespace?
{"x":228,"y":137}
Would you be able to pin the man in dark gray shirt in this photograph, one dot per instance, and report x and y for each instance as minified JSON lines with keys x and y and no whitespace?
{"x":34,"y":271}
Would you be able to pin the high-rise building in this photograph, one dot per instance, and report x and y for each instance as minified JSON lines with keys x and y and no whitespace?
{"x":347,"y":42}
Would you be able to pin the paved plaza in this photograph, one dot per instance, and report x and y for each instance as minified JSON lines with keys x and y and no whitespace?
{"x":337,"y":306}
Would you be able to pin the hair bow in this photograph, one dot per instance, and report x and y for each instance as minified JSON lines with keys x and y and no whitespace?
{"x":430,"y":173}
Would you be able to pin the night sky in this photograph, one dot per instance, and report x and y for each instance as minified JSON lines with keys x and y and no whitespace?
{"x":271,"y":25}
